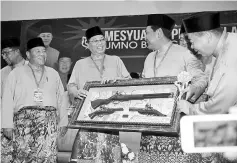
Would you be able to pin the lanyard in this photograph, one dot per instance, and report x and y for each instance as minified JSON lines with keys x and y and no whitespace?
{"x":103,"y":67}
{"x":36,"y":82}
{"x":161,"y":59}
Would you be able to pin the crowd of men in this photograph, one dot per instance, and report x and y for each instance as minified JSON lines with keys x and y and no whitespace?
{"x":36,"y":92}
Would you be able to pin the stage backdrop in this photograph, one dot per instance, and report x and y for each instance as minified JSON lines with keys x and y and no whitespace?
{"x":125,"y":34}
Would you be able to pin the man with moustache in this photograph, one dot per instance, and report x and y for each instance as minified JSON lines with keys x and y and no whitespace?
{"x":52,"y":54}
{"x":32,"y":108}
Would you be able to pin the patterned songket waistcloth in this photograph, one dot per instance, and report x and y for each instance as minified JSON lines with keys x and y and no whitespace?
{"x":34,"y":136}
{"x":95,"y":147}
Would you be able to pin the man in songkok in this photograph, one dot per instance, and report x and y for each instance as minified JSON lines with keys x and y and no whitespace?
{"x":52,"y":54}
{"x":168,"y":59}
{"x":99,"y":66}
{"x":207,"y":61}
{"x":11,"y":53}
{"x":10,"y":50}
{"x":32,"y":108}
{"x":209,"y":39}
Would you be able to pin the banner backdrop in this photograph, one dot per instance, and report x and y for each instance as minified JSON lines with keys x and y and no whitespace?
{"x":125,"y":34}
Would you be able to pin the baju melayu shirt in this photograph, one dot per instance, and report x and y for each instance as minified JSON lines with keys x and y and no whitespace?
{"x":86,"y":70}
{"x":175,"y":60}
{"x":222,"y":88}
{"x":19,"y":93}
{"x":6,"y":71}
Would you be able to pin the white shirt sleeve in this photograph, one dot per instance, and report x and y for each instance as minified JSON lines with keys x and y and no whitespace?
{"x":224,"y":97}
{"x":8,"y":101}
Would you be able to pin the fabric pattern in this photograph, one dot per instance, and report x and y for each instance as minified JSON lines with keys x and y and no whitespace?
{"x":97,"y":147}
{"x":6,"y":149}
{"x":34,"y":135}
{"x":93,"y":147}
{"x":162,"y":149}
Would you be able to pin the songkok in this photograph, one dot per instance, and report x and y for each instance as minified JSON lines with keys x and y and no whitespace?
{"x":182,"y":30}
{"x":10,"y":42}
{"x":46,"y":29}
{"x":160,"y":20}
{"x":65,"y":53}
{"x":93,"y":32}
{"x":34,"y":42}
{"x":202,"y":22}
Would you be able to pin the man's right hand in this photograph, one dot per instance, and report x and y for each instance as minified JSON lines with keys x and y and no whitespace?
{"x":81,"y":93}
{"x":8,"y":133}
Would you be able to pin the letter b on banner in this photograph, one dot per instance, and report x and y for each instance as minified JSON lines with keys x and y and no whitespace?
{"x":143,"y":44}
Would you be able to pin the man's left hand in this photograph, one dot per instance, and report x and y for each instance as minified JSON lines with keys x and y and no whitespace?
{"x":106,"y":80}
{"x":183,"y":106}
{"x":193,"y":93}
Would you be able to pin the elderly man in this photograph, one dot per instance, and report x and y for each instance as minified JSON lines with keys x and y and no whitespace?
{"x":12,"y":54}
{"x":170,"y":59}
{"x":207,"y":38}
{"x":208,"y":61}
{"x":32,"y":107}
{"x":52,"y":54}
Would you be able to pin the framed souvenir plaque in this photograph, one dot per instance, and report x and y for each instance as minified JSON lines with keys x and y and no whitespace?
{"x":138,"y":105}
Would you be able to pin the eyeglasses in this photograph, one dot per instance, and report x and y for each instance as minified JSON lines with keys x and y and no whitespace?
{"x":6,"y":53}
{"x":97,"y":41}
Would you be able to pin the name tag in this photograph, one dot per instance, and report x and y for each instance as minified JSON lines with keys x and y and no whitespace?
{"x":38,"y":96}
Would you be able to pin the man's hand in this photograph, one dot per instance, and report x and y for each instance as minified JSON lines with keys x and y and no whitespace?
{"x":77,"y":94}
{"x":81,"y":93}
{"x":73,"y":93}
{"x":106,"y":80}
{"x":183,"y":106}
{"x":8,"y":133}
{"x":193,"y":93}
